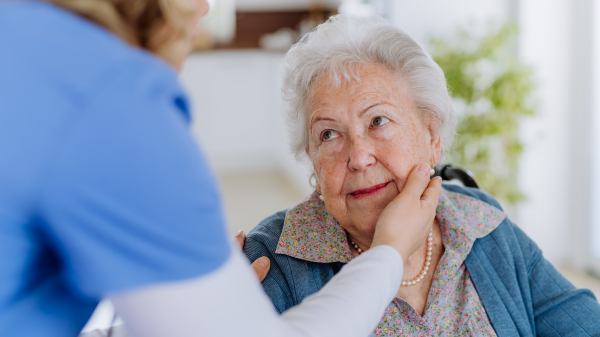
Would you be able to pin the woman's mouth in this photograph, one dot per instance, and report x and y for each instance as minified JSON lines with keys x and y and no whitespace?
{"x":366,"y":192}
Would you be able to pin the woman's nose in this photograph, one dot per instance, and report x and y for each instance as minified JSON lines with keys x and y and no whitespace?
{"x":361,"y":155}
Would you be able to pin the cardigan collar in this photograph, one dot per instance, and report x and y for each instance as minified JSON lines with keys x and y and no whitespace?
{"x":310,"y":232}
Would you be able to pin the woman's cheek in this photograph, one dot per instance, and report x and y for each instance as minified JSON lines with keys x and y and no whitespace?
{"x":329,"y":168}
{"x":332,"y":148}
{"x":392,"y":140}
{"x":399,"y":153}
{"x":386,"y":132}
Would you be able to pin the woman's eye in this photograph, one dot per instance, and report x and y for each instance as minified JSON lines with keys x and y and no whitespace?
{"x":328,"y":135}
{"x":379,"y":121}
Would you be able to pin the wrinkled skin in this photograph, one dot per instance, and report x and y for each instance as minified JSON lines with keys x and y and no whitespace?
{"x":363,"y":135}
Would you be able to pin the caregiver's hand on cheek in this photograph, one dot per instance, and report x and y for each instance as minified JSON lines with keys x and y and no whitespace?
{"x":405,"y":223}
{"x":262,"y":265}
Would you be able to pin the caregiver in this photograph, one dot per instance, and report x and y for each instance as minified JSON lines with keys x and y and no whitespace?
{"x":104,"y":193}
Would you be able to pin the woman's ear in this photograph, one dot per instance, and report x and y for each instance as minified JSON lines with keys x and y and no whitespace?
{"x":435,"y":146}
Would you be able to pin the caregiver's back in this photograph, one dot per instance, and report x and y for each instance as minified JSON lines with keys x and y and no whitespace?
{"x":70,"y":168}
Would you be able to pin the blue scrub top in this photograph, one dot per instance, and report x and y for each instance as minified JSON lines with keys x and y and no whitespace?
{"x":102,"y":187}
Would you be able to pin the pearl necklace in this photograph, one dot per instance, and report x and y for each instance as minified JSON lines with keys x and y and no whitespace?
{"x":425,"y":269}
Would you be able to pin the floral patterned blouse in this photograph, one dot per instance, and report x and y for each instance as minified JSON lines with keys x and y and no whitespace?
{"x":453,"y":306}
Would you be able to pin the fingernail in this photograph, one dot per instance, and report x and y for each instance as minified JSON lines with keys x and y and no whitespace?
{"x":424,"y":169}
{"x":239,"y":232}
{"x":263,"y":262}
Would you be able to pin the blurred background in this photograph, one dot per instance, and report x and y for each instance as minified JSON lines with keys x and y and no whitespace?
{"x":524,"y":76}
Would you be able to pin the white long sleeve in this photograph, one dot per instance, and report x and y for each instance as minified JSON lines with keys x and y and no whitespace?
{"x":231,"y":302}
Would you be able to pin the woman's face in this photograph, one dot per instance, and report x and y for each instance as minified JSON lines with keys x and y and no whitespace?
{"x":364,"y":139}
{"x":202,"y":8}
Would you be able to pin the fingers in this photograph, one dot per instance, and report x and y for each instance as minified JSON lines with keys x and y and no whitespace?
{"x":417,"y":181}
{"x":261,"y":267}
{"x":240,"y":238}
{"x":432,"y":192}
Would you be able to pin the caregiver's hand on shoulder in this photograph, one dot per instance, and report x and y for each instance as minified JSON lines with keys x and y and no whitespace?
{"x":262,"y":265}
{"x":405,"y":223}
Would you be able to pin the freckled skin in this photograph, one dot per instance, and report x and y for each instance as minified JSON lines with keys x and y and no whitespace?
{"x":351,"y":152}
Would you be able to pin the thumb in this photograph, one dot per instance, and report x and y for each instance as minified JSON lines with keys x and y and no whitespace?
{"x":417,"y":181}
{"x":261,"y":267}
{"x":240,"y":238}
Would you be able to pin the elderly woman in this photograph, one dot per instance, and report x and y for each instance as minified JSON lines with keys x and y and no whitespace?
{"x":366,"y":105}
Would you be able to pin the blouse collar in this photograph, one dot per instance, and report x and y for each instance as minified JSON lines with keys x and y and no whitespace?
{"x":310,"y":232}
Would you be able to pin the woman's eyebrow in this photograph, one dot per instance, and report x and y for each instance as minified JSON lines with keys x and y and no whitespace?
{"x":362,"y":112}
{"x":321,"y":119}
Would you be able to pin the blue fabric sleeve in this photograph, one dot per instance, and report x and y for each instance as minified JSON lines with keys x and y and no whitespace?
{"x":128,"y":199}
{"x":559,"y":308}
{"x":555,"y":306}
{"x":261,"y":241}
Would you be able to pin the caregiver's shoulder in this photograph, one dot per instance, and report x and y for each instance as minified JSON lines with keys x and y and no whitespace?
{"x":50,"y":43}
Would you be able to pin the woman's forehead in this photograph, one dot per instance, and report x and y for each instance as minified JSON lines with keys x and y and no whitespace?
{"x":376,"y":85}
{"x":373,"y":83}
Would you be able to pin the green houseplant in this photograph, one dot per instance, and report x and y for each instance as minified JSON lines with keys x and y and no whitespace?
{"x":492,"y":92}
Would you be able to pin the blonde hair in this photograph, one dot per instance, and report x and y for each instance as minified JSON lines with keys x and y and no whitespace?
{"x":159,"y":26}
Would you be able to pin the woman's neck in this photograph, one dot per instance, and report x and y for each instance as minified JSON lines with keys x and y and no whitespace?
{"x":358,"y":241}
{"x":362,"y":241}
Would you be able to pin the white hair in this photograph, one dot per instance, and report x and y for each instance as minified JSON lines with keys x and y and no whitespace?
{"x":337,"y":46}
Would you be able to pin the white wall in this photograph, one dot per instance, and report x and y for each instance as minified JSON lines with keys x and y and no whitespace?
{"x":236,"y":104}
{"x":594,"y":139}
{"x":544,"y":170}
{"x":557,"y":38}
{"x":235,"y":97}
{"x":583,"y":113}
{"x":425,"y":18}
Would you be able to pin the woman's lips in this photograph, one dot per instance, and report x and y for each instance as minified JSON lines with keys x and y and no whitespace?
{"x":358,"y":194}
